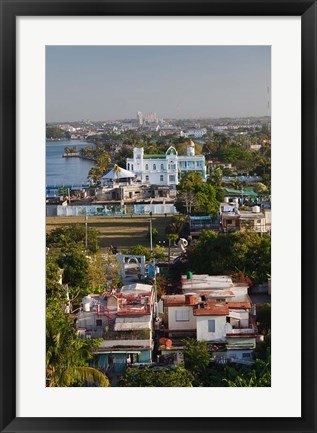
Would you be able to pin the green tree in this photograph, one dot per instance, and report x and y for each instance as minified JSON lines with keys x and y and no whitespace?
{"x":159,"y":252}
{"x":148,"y":377}
{"x":53,"y":287}
{"x":263,"y":319}
{"x":258,"y":376}
{"x":197,"y":358}
{"x":227,"y":254}
{"x":117,"y":170}
{"x":195,"y":196}
{"x":75,"y":265}
{"x":54,"y":132}
{"x":95,"y":174}
{"x":140,"y":250}
{"x":154,"y":234}
{"x":102,"y":269}
{"x":175,"y":225}
{"x":67,"y":356}
{"x":73,"y":235}
{"x":215,"y":179}
{"x":122,"y":155}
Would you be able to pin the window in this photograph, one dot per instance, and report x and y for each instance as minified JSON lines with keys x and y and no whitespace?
{"x":146,"y":166}
{"x":98,"y":322}
{"x":172,"y":178}
{"x":258,"y":221}
{"x":246,"y":355}
{"x":211,"y":325}
{"x":182,"y":316}
{"x":154,"y":166}
{"x":162,"y":166}
{"x":229,"y":221}
{"x":132,"y":167}
{"x":161,"y":178}
{"x":128,"y":166}
{"x":147,"y":178}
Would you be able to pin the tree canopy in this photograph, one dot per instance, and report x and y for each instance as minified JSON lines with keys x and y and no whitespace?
{"x":67,"y":356}
{"x":195,"y":196}
{"x":229,"y":253}
{"x":165,"y":377}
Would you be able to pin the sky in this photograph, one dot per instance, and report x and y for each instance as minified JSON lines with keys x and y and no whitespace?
{"x":115,"y":82}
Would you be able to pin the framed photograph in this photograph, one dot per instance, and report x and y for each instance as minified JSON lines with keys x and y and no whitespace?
{"x":121,"y":120}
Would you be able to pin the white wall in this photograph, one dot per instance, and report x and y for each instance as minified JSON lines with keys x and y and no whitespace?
{"x":202,"y":328}
{"x":87,"y":319}
{"x":174,"y":324}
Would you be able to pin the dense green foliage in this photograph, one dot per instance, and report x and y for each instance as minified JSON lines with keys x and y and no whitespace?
{"x":53,"y":132}
{"x":196,"y":358}
{"x":75,"y":265}
{"x":67,"y":356}
{"x":71,"y":236}
{"x":83,"y":271}
{"x":226,"y":254}
{"x":140,"y":250}
{"x":196,"y":197}
{"x":165,"y":377}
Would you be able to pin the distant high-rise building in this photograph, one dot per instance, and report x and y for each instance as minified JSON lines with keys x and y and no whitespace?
{"x":140,"y":118}
{"x":151,"y":118}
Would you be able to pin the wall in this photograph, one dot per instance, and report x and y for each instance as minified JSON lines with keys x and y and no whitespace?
{"x":173,"y":324}
{"x":102,"y":210}
{"x":87,"y":320}
{"x":125,"y":343}
{"x":241,"y":341}
{"x":145,"y":356}
{"x":202,"y":328}
{"x":235,"y":355}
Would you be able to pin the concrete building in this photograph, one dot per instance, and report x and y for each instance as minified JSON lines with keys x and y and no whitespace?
{"x":124,"y":322}
{"x":255,"y":219}
{"x":215,"y":310}
{"x":194,"y":133}
{"x":165,"y":169}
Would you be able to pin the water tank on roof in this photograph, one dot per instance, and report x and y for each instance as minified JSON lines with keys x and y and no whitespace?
{"x":256,"y":209}
{"x":86,"y":306}
{"x":168,"y":343}
{"x":226,"y":199}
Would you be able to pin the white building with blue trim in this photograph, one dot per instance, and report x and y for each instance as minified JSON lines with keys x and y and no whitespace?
{"x":165,"y":169}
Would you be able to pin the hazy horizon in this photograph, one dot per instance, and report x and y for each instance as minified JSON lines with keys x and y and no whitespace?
{"x":107,"y":83}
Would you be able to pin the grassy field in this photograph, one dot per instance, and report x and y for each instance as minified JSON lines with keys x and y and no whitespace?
{"x":120,"y":232}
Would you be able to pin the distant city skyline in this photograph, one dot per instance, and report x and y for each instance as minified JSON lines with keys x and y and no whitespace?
{"x":101,"y":83}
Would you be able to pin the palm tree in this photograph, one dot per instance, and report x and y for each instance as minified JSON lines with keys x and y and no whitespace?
{"x":117,"y":171}
{"x":67,"y":356}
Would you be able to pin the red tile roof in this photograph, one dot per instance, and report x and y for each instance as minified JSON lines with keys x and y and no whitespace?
{"x":212,"y":309}
{"x":173,"y":300}
{"x":239,"y":304}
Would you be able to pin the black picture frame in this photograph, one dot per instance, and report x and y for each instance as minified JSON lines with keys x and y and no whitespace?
{"x":10,"y":9}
